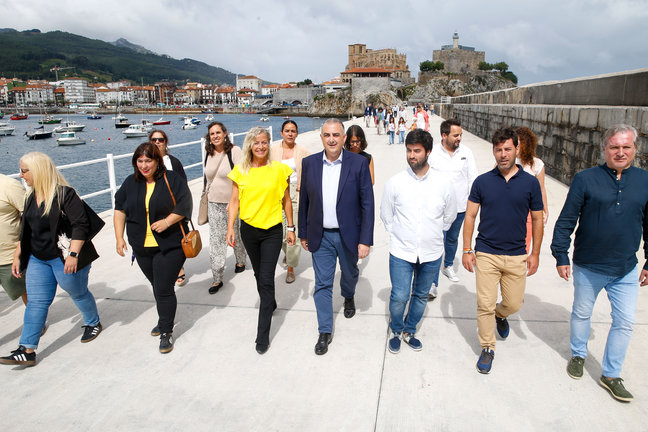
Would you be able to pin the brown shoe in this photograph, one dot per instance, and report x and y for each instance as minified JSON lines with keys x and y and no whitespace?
{"x":290,"y":277}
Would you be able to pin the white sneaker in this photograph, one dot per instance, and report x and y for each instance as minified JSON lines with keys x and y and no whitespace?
{"x":450,"y":274}
{"x":433,"y":293}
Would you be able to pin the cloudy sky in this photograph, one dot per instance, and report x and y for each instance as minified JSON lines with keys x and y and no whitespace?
{"x":292,"y":40}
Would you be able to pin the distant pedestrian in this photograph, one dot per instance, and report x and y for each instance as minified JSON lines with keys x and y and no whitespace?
{"x":368,"y":115}
{"x":457,"y":163}
{"x":609,"y":203}
{"x":505,"y":196}
{"x":533,"y":165}
{"x":357,"y":143}
{"x":418,"y":205}
{"x":402,"y":128}
{"x":391,"y":130}
{"x":421,"y":118}
{"x":380,"y":118}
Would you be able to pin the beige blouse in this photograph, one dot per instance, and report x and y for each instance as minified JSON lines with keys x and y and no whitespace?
{"x":221,"y":187}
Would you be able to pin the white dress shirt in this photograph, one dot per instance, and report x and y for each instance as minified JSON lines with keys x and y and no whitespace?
{"x":330,"y":181}
{"x":415,"y":212}
{"x":460,"y":169}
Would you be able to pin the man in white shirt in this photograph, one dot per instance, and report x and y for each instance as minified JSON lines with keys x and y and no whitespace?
{"x":418,"y":205}
{"x":457,"y":163}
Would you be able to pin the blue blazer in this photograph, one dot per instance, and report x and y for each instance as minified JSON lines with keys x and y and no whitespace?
{"x":355,"y":201}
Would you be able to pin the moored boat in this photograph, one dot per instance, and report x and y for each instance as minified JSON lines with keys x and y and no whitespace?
{"x":209,"y":118}
{"x":69,"y":138}
{"x":69,"y":126}
{"x":161,"y":121}
{"x":137,"y":131}
{"x":48,"y":119}
{"x":6,"y":129}
{"x":39,"y":133}
{"x":122,"y":123}
{"x":264,"y":118}
{"x":18,"y":116}
{"x":94,"y":116}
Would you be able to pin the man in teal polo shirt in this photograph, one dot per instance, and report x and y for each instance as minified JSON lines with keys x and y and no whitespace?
{"x":505,"y":195}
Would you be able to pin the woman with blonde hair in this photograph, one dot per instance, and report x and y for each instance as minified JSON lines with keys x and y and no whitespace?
{"x":55,"y":250}
{"x":527,"y":144}
{"x":260,"y":191}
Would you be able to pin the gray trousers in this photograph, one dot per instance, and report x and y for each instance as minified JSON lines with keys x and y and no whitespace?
{"x":217,"y":213}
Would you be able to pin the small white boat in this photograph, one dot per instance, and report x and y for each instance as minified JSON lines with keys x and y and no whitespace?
{"x":39,"y":133}
{"x":119,"y":117}
{"x":6,"y":129}
{"x":209,"y":118}
{"x":69,"y":126}
{"x":264,"y":118}
{"x":69,"y":138}
{"x":137,"y":130}
{"x":188,"y":126}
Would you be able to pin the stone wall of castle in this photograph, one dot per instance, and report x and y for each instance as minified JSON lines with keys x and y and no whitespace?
{"x":458,"y":60}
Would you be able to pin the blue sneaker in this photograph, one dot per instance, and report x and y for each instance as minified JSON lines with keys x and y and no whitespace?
{"x":502,"y":327}
{"x":485,"y":360}
{"x":394,"y":343}
{"x":414,"y":343}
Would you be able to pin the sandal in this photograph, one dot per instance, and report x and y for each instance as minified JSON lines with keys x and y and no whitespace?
{"x":181,"y":280}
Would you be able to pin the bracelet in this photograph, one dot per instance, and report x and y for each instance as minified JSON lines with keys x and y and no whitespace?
{"x":467,"y":251}
{"x":165,"y":221}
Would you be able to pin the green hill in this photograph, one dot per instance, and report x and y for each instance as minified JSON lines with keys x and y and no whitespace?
{"x":31,"y":54}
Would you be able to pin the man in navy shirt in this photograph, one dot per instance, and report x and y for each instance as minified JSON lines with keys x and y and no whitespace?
{"x":610,"y":204}
{"x":506,"y":195}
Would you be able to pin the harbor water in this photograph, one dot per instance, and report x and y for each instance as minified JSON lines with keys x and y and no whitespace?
{"x":102,"y":138}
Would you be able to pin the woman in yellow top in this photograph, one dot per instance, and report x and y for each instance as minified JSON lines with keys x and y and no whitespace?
{"x":259,"y":192}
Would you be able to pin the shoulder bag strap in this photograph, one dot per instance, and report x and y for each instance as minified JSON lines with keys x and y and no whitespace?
{"x":174,"y":204}
{"x":229,"y":158}
{"x":206,"y":185}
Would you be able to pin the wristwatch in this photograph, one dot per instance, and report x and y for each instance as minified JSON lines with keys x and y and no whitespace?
{"x":290,"y":228}
{"x":73,"y":254}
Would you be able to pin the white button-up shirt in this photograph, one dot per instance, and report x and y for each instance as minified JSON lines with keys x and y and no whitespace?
{"x":460,"y":168}
{"x":415,"y":212}
{"x":330,"y":181}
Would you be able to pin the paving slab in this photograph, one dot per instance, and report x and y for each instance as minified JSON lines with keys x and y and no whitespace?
{"x":214,"y":379}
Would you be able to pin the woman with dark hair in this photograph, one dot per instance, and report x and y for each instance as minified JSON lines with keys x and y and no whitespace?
{"x":221,"y":157}
{"x":260,"y":191}
{"x":144,"y":206}
{"x":171,"y":163}
{"x":291,"y":154}
{"x":54,"y":250}
{"x":357,"y":143}
{"x":527,"y":144}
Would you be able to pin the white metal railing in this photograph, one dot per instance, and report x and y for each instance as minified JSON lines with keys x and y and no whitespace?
{"x":110,"y":161}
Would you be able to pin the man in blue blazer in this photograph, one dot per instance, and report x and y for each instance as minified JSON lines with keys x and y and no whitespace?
{"x":336,"y":220}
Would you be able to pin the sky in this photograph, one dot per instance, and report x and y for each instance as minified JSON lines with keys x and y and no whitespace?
{"x":290,"y":40}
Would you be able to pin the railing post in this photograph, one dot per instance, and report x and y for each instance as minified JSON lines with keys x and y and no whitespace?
{"x":270,"y":130}
{"x":203,"y":153}
{"x":231,"y":137}
{"x":111,"y":179}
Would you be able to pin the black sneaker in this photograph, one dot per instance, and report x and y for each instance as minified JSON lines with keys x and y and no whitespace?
{"x":155,"y":331}
{"x":502,"y":327}
{"x":485,"y":361}
{"x":19,"y":357}
{"x":166,"y":343}
{"x":91,"y":332}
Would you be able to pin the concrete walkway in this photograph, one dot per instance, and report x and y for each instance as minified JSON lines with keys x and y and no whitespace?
{"x":214,"y":379}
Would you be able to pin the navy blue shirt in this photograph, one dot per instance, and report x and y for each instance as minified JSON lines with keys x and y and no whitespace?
{"x":504,"y":210}
{"x":611,"y":216}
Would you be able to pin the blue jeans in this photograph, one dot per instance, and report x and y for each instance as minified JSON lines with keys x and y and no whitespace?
{"x":401,"y":137}
{"x":324,"y":262}
{"x":401,"y":273}
{"x":41,"y":280}
{"x":450,"y":239}
{"x":391,"y":137}
{"x":622,"y":292}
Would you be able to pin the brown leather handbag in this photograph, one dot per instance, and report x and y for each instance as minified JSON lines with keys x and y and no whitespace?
{"x":191,"y":242}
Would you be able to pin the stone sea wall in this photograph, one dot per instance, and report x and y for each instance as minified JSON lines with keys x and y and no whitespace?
{"x":569,"y":137}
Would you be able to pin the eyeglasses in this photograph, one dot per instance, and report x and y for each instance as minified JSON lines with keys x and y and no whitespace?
{"x":158,"y":139}
{"x":24,"y":171}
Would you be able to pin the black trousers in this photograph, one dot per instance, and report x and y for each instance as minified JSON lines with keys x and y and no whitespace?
{"x":161,"y":269}
{"x":263,"y":247}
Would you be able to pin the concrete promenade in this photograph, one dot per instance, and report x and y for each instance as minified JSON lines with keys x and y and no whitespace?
{"x":215,"y":381}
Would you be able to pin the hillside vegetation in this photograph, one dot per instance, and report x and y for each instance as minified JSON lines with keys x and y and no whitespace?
{"x":31,"y":54}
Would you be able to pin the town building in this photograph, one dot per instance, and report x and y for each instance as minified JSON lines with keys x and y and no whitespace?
{"x":458,"y":58}
{"x":387,"y":59}
{"x":248,"y":82}
{"x":77,"y":90}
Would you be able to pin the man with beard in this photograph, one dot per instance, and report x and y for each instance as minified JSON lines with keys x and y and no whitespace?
{"x":418,"y":205}
{"x":457,"y":163}
{"x":505,"y":195}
